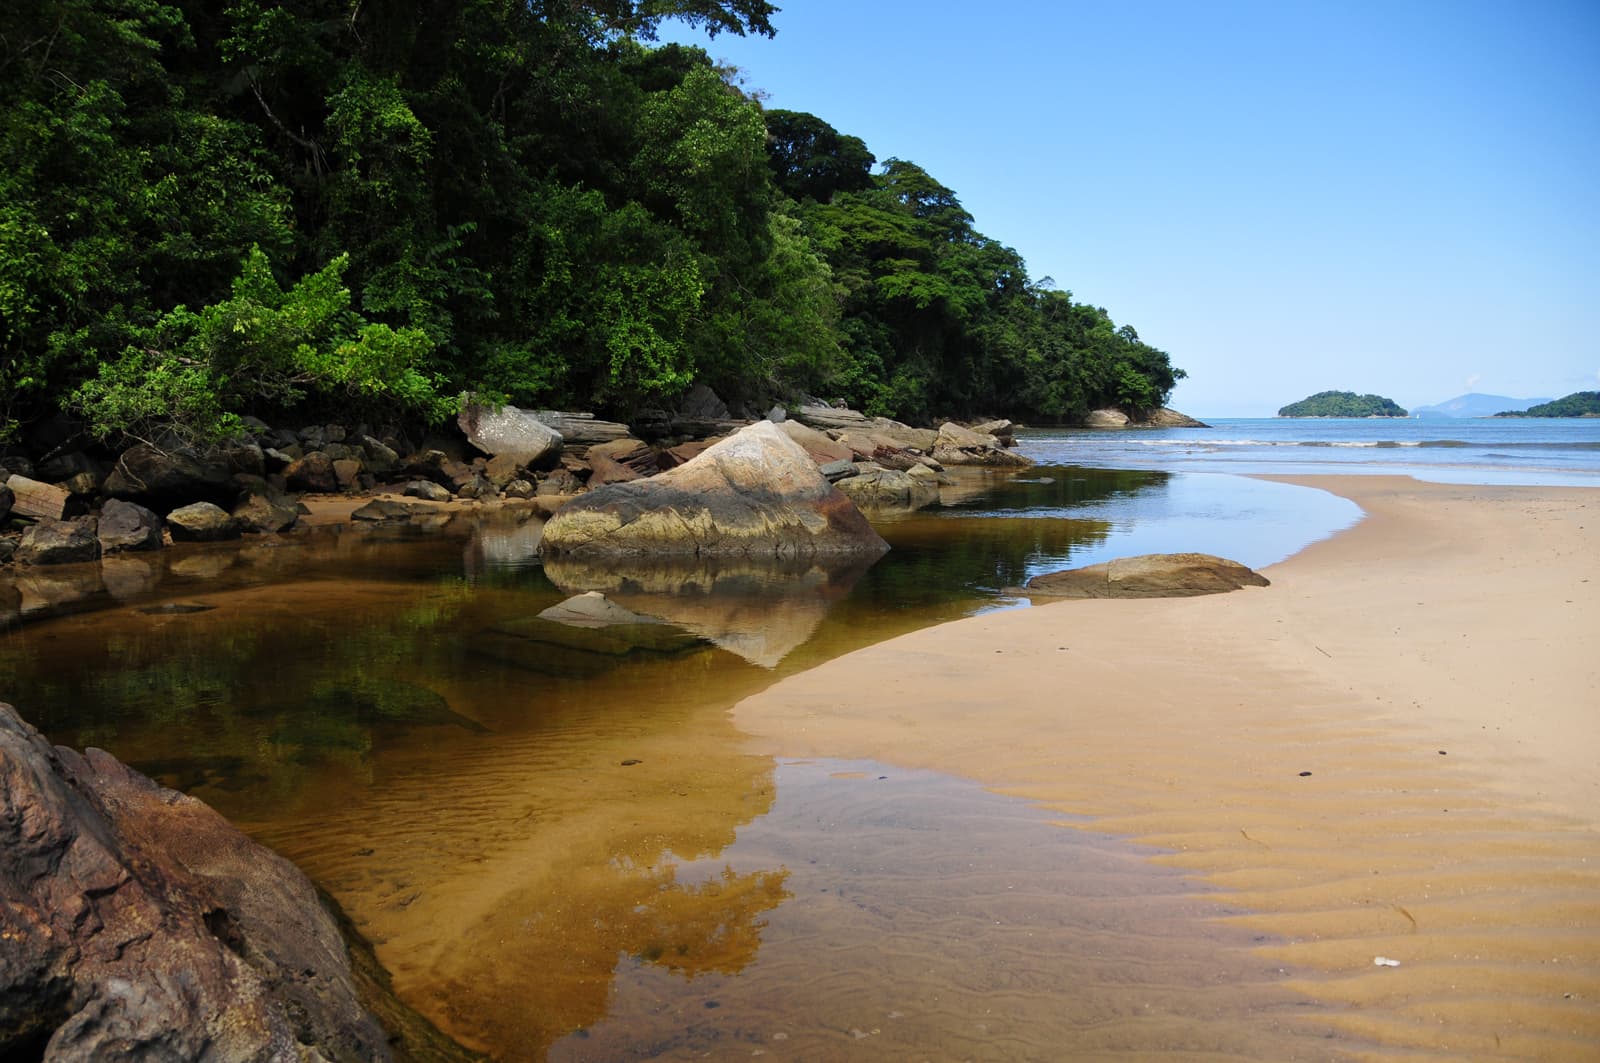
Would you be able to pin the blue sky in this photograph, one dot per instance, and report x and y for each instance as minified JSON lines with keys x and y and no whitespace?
{"x":1401,"y":197}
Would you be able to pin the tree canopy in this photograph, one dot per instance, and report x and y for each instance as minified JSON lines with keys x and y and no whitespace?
{"x":211,"y":208}
{"x":1578,"y":404}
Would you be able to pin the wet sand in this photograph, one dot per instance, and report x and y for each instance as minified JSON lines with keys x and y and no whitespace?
{"x":1388,"y":753}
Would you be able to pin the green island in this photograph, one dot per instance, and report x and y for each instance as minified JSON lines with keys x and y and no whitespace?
{"x":1342,"y":404}
{"x":1578,"y":404}
{"x":275,"y":210}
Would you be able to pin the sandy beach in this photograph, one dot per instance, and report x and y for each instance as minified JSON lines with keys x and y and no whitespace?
{"x":1390,"y":752}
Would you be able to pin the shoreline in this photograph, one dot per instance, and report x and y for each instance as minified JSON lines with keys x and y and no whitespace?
{"x":1389,"y":752}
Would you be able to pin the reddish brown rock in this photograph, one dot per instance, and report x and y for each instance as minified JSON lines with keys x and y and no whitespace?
{"x":137,"y":924}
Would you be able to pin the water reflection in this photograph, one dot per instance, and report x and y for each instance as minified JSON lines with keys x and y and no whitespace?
{"x":760,"y":611}
{"x":532,"y":820}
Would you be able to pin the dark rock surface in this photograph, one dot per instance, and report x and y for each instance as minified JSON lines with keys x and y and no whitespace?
{"x":128,"y":526}
{"x":59,"y":542}
{"x":163,"y":479}
{"x":314,"y":473}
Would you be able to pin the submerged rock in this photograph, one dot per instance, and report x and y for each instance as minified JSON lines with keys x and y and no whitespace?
{"x":593,"y":609}
{"x":756,"y":494}
{"x":1149,"y":576}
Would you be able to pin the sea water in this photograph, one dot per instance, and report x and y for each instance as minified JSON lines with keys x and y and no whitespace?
{"x":1488,"y":450}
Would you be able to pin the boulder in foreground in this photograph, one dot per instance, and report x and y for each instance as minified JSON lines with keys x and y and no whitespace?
{"x":755,"y":494}
{"x":1149,"y":576}
{"x":139,"y":924}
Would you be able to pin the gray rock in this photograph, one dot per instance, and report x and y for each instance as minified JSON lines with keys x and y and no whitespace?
{"x":429,"y":490}
{"x":382,"y":509}
{"x":59,"y":542}
{"x":755,"y":494}
{"x":962,"y":446}
{"x":509,"y":431}
{"x":1170,"y":418}
{"x":838,"y":470}
{"x":520,"y":489}
{"x":777,"y":415}
{"x":593,"y":609}
{"x":36,"y":500}
{"x":1149,"y":576}
{"x":202,"y":522}
{"x":703,"y":404}
{"x":127,"y":526}
{"x":582,"y":429}
{"x":266,"y":512}
{"x":561,"y":482}
{"x":1107,"y":418}
{"x":889,"y":488}
{"x":381,"y":458}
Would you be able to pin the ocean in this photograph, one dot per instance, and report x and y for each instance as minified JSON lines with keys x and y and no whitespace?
{"x":1536,"y":451}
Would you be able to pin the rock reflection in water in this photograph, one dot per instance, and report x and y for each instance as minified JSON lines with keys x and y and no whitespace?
{"x":760,"y":610}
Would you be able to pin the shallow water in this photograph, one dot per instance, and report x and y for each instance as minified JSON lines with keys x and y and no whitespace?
{"x":560,"y":843}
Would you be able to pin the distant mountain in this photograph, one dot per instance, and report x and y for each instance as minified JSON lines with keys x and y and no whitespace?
{"x":1342,"y":404}
{"x":1474,"y":404}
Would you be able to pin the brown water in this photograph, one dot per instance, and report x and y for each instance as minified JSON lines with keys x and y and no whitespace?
{"x":562,"y":847}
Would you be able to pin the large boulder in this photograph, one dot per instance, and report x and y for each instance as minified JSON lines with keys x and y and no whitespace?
{"x":59,"y":542}
{"x":163,"y":479}
{"x":264,"y":511}
{"x":755,"y":494}
{"x":127,"y":526}
{"x":1107,"y":418}
{"x":962,"y":446}
{"x":139,"y":925}
{"x":510,"y":432}
{"x":1149,"y":576}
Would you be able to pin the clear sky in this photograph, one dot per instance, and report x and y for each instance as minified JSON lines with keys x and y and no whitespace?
{"x":1398,"y":197}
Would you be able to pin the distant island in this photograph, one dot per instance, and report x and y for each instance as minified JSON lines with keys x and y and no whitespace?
{"x":1578,"y":404}
{"x":1476,"y":404}
{"x":1342,"y":404}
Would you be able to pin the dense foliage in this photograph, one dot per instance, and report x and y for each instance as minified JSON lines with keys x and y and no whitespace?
{"x":1578,"y":404}
{"x":1342,"y":404}
{"x":218,"y":207}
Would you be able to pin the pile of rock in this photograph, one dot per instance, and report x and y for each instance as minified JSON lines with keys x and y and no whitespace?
{"x":74,"y":506}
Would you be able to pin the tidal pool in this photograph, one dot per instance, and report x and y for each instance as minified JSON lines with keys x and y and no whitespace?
{"x":561,"y":846}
